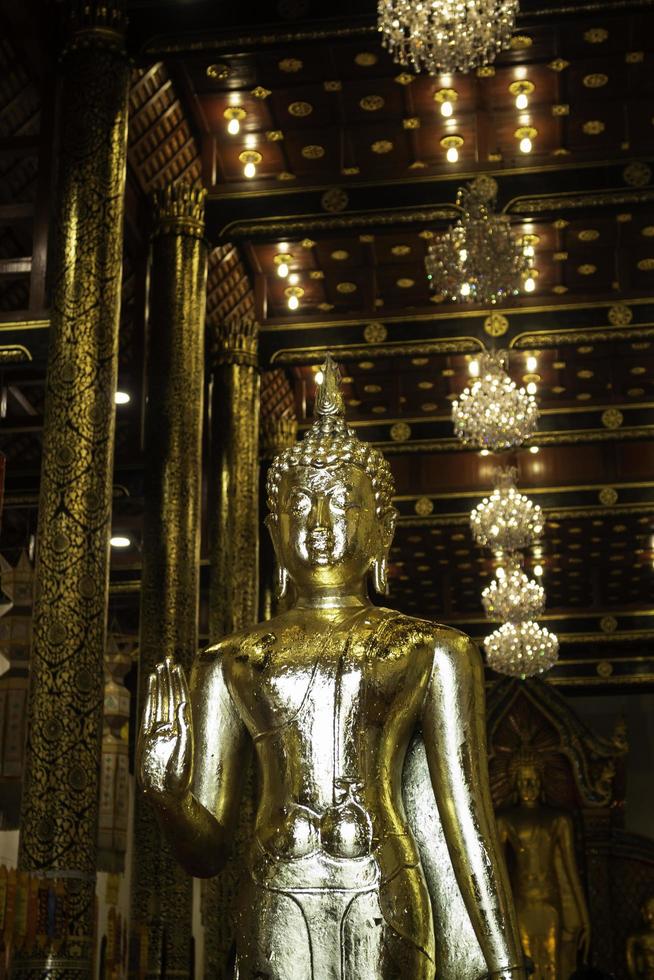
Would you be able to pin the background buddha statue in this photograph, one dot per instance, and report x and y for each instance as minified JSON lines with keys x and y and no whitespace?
{"x":552,"y":913}
{"x":328,"y":695}
{"x":640,"y":946}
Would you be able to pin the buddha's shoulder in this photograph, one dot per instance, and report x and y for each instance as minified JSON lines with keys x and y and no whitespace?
{"x":231,"y":646}
{"x":425,"y":631}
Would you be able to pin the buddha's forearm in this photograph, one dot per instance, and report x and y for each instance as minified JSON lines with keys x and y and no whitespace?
{"x":200,"y":843}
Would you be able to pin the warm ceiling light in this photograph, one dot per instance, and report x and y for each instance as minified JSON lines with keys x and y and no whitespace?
{"x":532,"y":389}
{"x":250,"y":159}
{"x":532,"y":363}
{"x":452,"y":154}
{"x":534,"y":449}
{"x":522,"y":90}
{"x":538,"y":570}
{"x":526,"y":145}
{"x":525,"y":134}
{"x":452,"y":145}
{"x":234,"y":114}
{"x":293,"y":302}
{"x":119,"y":541}
{"x":447,"y":97}
{"x":293,"y":295}
{"x":294,"y":279}
{"x":529,"y":284}
{"x":473,"y":368}
{"x":465,"y":289}
{"x":484,"y":452}
{"x":521,"y":101}
{"x":319,"y":377}
{"x":121,"y":397}
{"x":282,"y":260}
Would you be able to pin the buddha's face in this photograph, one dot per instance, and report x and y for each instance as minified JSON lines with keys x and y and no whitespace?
{"x":528,"y":784}
{"x":326,"y":532}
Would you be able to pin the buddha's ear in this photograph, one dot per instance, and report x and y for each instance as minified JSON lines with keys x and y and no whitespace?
{"x":281,"y":573}
{"x":387,"y":524}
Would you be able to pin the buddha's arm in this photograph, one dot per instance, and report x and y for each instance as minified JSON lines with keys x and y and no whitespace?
{"x":632,"y":968}
{"x":454,"y":733}
{"x":199,"y":823}
{"x":565,"y":844}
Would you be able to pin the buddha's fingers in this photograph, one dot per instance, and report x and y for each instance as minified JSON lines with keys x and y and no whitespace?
{"x":162,"y":698}
{"x":176,"y":683}
{"x":170,"y":692}
{"x":150,"y":705}
{"x":182,"y":747}
{"x":184,"y":694}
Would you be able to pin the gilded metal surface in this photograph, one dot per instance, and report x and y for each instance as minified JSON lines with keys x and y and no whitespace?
{"x":161,"y":893}
{"x":640,"y":946}
{"x":59,"y":821}
{"x":552,"y":913}
{"x":329,"y":695}
{"x":234,"y":572}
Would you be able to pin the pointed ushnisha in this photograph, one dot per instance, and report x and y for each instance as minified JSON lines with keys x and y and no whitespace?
{"x":331,"y":444}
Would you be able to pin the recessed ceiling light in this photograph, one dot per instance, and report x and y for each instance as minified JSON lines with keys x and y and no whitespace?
{"x":119,"y":541}
{"x":121,"y":397}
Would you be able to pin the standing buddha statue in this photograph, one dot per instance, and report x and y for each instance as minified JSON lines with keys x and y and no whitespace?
{"x":552,"y":913}
{"x":328,"y":695}
{"x":640,"y":946}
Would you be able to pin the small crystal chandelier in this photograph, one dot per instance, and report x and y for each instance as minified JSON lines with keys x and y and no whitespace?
{"x":479,"y":260}
{"x":446,"y":36}
{"x":521,"y":649}
{"x":512,"y":596}
{"x":507,"y":520}
{"x":494,"y":413}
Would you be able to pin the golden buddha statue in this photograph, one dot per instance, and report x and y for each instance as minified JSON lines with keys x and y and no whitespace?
{"x":640,"y":946}
{"x":552,"y":913}
{"x":329,"y":695}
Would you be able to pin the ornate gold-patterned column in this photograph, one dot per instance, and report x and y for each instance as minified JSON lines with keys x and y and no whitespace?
{"x":234,"y":574}
{"x":277,"y":434}
{"x":161,"y":892}
{"x":59,"y":823}
{"x":234,"y":479}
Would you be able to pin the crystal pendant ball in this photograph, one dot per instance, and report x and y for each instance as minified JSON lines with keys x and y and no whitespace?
{"x":513,"y":597}
{"x":521,"y":649}
{"x":494,"y":413}
{"x":507,"y":520}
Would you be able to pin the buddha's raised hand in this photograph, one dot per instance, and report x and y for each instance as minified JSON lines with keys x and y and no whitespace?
{"x":165,"y":745}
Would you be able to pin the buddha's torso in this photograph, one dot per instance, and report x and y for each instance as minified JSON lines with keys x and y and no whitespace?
{"x":532,"y":832}
{"x":330,"y":708}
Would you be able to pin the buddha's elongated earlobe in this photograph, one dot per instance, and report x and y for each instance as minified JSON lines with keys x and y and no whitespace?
{"x":380,"y":576}
{"x":282,"y":581}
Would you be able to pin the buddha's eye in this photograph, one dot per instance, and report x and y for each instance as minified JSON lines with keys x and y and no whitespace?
{"x":341,"y":501}
{"x":299,"y":504}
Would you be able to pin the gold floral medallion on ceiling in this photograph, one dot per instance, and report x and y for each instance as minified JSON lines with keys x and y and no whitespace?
{"x":400,"y":432}
{"x":290,"y":65}
{"x":637,"y":174}
{"x":561,"y":109}
{"x":372,"y":103}
{"x":608,"y":496}
{"x":560,"y":224}
{"x":340,"y":255}
{"x":316,"y":274}
{"x":274,"y":135}
{"x":608,"y":624}
{"x":260,"y":92}
{"x":365,"y":59}
{"x":405,"y":283}
{"x":401,"y":250}
{"x":593,"y":127}
{"x":313,"y":151}
{"x":366,"y":239}
{"x":587,"y":269}
{"x":346,"y":287}
{"x":375,"y":333}
{"x":647,"y":231}
{"x":335,"y":199}
{"x":404,"y":78}
{"x":620,"y":315}
{"x":411,"y":122}
{"x":381,"y":146}
{"x":559,"y":290}
{"x":645,"y":265}
{"x":496,"y":325}
{"x":333,"y":85}
{"x":559,"y":64}
{"x":596,"y":35}
{"x":519,"y":42}
{"x":285,"y":175}
{"x":486,"y":71}
{"x":560,"y":256}
{"x":308,"y":243}
{"x":218,"y":73}
{"x":300,"y":109}
{"x":423,"y":508}
{"x":612,"y":418}
{"x":596,"y":79}
{"x":634,"y":57}
{"x":588,"y":235}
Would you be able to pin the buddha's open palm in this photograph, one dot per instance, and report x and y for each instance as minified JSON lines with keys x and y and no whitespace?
{"x":165,"y":747}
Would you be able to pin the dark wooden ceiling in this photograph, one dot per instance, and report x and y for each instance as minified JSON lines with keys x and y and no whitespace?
{"x":357,"y":213}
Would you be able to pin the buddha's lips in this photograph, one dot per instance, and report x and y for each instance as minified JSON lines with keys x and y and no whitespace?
{"x":320,"y":540}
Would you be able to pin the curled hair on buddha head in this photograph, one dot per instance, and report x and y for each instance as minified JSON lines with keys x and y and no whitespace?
{"x":330,"y":444}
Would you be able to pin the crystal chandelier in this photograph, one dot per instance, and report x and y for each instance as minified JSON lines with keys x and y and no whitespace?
{"x":507,"y":520}
{"x":479,"y":260}
{"x":494,"y":413}
{"x":446,"y":35}
{"x":521,"y":649}
{"x":512,"y":596}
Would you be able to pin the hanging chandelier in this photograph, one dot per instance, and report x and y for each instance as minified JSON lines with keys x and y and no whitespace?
{"x":521,"y":649}
{"x":446,"y":35}
{"x":494,"y":413}
{"x":507,"y":520}
{"x":478,"y":259}
{"x":512,"y":596}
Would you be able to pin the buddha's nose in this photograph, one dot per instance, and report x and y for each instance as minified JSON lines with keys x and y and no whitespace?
{"x":319,"y":517}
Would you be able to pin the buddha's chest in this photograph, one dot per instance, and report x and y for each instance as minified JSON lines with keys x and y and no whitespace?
{"x":323,"y":687}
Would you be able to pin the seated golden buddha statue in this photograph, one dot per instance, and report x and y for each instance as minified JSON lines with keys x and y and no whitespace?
{"x":328,"y":695}
{"x":640,"y":946}
{"x":552,"y":913}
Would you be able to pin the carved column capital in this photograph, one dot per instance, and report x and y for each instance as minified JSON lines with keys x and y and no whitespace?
{"x":236,"y":342}
{"x":277,"y":434}
{"x":179,"y":210}
{"x":96,"y":23}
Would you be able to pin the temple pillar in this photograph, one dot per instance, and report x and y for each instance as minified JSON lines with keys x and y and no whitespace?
{"x":234,"y":479}
{"x":277,"y":434}
{"x":59,"y":821}
{"x":161,"y":891}
{"x":234,"y":574}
